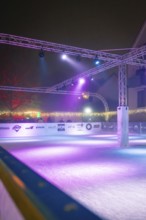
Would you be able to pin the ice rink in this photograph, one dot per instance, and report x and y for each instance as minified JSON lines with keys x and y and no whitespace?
{"x":94,"y":170}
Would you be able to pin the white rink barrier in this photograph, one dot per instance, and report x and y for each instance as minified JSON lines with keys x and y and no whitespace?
{"x":46,"y":129}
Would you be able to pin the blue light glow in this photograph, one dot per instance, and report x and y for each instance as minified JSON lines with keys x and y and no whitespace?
{"x":97,"y":62}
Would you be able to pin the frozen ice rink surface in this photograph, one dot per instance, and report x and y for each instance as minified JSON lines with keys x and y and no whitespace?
{"x":94,"y":170}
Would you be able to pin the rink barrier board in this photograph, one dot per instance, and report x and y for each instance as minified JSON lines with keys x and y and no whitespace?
{"x":35,"y":197}
{"x":46,"y":129}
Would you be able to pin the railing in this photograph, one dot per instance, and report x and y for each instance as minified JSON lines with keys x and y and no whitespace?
{"x":35,"y":198}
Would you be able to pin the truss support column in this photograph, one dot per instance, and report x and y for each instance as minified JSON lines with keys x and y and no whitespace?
{"x":122,"y":110}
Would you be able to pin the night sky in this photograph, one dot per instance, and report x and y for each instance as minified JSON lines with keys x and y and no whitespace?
{"x":90,"y":24}
{"x":97,"y":25}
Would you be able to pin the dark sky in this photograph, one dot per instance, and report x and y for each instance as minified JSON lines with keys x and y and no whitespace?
{"x":94,"y":24}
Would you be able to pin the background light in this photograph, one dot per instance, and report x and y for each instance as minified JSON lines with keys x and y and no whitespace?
{"x":72,"y":83}
{"x":96,"y":60}
{"x":88,"y":110}
{"x":85,"y":95}
{"x":38,"y":114}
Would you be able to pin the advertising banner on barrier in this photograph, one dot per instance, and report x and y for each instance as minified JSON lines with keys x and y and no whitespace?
{"x":23,"y":129}
{"x":61,"y":127}
{"x":83,"y":128}
{"x":46,"y":129}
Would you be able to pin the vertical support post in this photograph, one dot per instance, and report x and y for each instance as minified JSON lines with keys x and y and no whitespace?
{"x":122,"y":110}
{"x":123,"y":127}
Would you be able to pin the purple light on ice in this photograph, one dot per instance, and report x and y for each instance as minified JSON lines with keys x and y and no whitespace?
{"x":47,"y":152}
{"x":94,"y":176}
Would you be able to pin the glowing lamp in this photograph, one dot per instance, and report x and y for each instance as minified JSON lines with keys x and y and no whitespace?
{"x":88,"y":110}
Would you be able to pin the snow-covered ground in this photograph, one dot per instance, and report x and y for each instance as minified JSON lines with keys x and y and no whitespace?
{"x":108,"y":180}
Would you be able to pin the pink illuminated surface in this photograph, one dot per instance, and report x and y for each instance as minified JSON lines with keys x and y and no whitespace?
{"x":92,"y":169}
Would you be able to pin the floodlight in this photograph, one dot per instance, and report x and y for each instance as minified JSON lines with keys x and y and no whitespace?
{"x":96,"y":60}
{"x":64,"y":56}
{"x":41,"y":53}
{"x":81,"y":81}
{"x":88,"y":110}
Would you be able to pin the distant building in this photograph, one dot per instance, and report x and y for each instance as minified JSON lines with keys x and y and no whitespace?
{"x":137,"y":77}
{"x":136,"y":82}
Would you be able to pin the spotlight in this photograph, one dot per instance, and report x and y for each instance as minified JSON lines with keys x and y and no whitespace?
{"x":85,"y":95}
{"x":41,"y":53}
{"x":96,"y":60}
{"x":81,"y":81}
{"x":64,"y":56}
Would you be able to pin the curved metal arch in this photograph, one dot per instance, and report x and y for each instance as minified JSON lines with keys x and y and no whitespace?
{"x":102,"y":99}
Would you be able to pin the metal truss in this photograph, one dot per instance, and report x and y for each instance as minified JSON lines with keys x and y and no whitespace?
{"x":88,"y":73}
{"x":137,"y":55}
{"x":41,"y":90}
{"x":54,"y":47}
{"x":134,"y":57}
{"x":60,"y":48}
{"x":122,"y":85}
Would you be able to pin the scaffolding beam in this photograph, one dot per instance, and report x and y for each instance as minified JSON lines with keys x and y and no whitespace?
{"x":122,"y":110}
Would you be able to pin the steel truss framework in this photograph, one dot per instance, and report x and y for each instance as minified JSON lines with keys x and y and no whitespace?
{"x":41,"y":90}
{"x":122,"y":85}
{"x":134,"y":57}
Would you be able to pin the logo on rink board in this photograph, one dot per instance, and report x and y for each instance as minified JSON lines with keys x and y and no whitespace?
{"x":4,"y":128}
{"x":97,"y":126}
{"x":31,"y":127}
{"x":88,"y":126}
{"x":40,"y":127}
{"x":80,"y":127}
{"x":61,"y":127}
{"x":16,"y":128}
{"x":52,"y":126}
